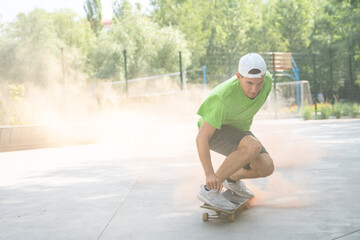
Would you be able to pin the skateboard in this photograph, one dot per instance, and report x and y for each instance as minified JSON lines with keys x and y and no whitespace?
{"x":240,"y":202}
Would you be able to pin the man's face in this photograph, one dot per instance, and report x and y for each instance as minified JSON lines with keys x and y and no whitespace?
{"x":251,"y":86}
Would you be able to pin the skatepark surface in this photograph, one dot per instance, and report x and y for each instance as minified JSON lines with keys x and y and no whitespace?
{"x":142,"y":184}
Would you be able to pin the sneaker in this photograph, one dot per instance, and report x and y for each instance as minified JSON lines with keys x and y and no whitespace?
{"x":238,"y":188}
{"x":214,"y":199}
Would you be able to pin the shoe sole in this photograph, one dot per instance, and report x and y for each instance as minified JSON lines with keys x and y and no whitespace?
{"x":201,"y":198}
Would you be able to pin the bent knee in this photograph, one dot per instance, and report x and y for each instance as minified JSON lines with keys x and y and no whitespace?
{"x":251,"y":145}
{"x":267,"y":170}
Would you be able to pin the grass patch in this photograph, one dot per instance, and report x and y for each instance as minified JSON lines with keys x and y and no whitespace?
{"x":327,"y":110}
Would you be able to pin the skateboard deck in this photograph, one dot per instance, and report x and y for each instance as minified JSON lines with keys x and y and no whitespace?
{"x":240,"y":202}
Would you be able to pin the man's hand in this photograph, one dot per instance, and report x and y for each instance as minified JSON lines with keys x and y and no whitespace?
{"x":213,"y":182}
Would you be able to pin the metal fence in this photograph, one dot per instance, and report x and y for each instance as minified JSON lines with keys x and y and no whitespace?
{"x":331,"y":73}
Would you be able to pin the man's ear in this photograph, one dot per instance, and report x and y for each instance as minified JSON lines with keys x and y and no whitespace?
{"x":238,"y":75}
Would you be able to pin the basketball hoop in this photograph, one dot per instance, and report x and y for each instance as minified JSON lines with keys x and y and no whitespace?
{"x":282,"y":61}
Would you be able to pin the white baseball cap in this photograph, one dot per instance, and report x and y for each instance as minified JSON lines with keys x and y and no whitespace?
{"x":252,"y":61}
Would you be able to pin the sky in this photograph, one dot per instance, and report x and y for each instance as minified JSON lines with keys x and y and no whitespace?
{"x":10,"y":8}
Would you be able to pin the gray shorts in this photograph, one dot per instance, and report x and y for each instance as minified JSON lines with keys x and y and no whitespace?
{"x":227,"y":139}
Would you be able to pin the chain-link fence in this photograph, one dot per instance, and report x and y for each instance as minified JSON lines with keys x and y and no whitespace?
{"x":331,"y":73}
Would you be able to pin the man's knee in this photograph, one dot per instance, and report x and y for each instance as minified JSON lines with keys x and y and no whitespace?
{"x":250,"y":145}
{"x":267,"y":169}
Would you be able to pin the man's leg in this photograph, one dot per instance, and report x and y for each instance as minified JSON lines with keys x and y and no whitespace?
{"x":261,"y":166}
{"x":247,"y":151}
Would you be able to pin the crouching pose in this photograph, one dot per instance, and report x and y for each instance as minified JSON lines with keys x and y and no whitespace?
{"x":224,"y":127}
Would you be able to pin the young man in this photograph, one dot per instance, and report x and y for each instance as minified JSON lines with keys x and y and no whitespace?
{"x":226,"y":118}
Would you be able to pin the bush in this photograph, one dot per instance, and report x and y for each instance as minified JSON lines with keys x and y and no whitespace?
{"x":355,"y":110}
{"x":336,"y":111}
{"x":2,"y":113}
{"x":307,"y":112}
{"x":325,"y":111}
{"x":346,"y":109}
{"x":14,"y":114}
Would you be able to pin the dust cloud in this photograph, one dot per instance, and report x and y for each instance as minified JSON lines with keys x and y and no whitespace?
{"x":159,"y":127}
{"x":290,"y":184}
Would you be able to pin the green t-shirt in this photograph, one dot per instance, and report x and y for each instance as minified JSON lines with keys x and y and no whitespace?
{"x":228,"y":105}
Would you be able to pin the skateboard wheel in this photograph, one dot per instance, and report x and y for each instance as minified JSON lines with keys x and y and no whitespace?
{"x":231,"y":218}
{"x":205,"y":217}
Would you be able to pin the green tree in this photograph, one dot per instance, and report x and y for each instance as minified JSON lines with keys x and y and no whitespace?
{"x":93,"y":13}
{"x":151,"y":49}
{"x":215,"y":29}
{"x":120,"y":8}
{"x":26,"y":42}
{"x":1,"y":24}
{"x":294,"y":20}
{"x":336,"y":38}
{"x":30,"y":49}
{"x":75,"y":38}
{"x":73,"y":31}
{"x":105,"y":58}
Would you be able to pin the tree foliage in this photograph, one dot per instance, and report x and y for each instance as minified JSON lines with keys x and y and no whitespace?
{"x":31,"y":45}
{"x":207,"y":32}
{"x":336,"y":39}
{"x":151,"y":49}
{"x":93,"y":13}
{"x":219,"y":28}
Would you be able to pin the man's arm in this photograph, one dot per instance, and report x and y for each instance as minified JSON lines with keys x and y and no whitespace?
{"x":202,"y":143}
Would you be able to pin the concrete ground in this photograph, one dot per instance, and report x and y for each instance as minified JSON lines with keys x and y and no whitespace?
{"x":143,"y":183}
